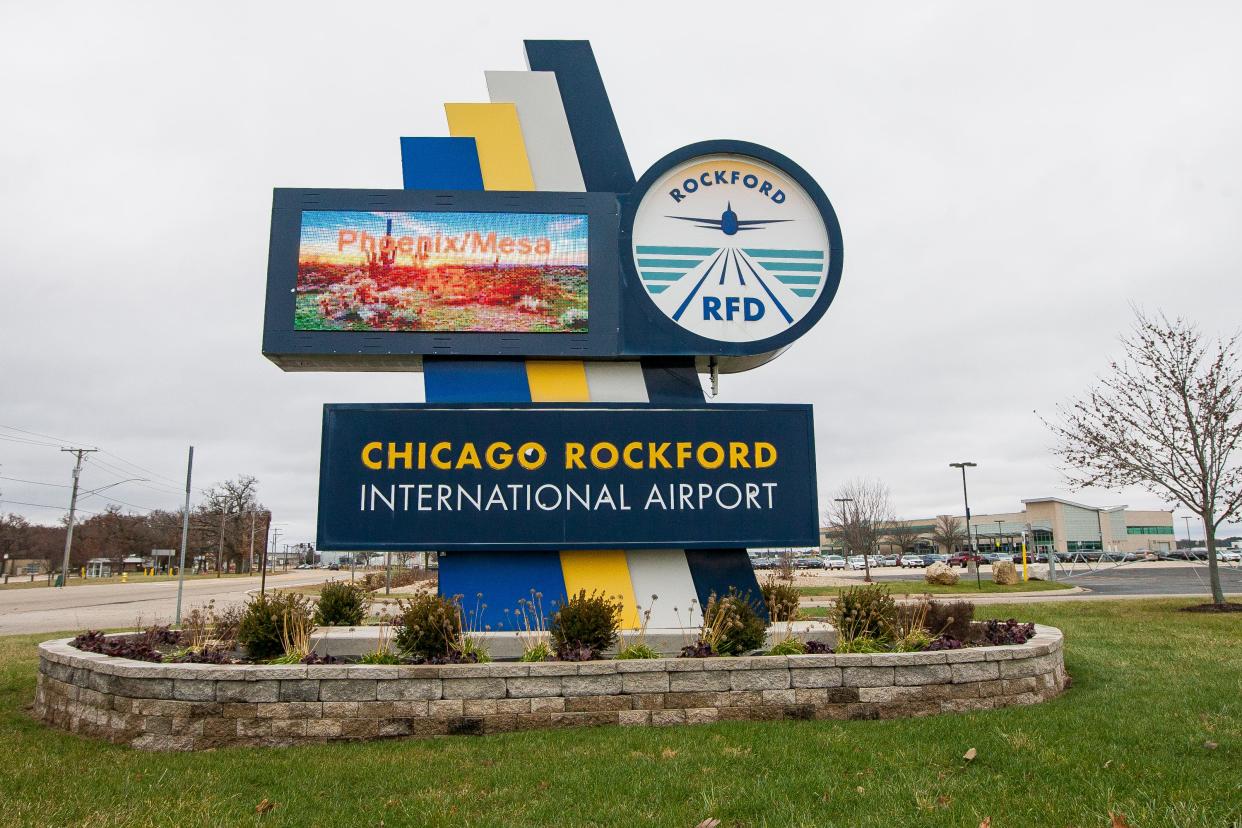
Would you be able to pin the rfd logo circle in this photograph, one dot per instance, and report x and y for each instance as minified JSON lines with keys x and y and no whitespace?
{"x":731,"y":248}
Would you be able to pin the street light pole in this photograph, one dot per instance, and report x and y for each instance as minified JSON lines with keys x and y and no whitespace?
{"x":966,"y":502}
{"x":1190,"y":543}
{"x":185,"y":533}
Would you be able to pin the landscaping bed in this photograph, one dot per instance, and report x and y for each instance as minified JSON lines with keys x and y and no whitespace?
{"x":1099,"y":747}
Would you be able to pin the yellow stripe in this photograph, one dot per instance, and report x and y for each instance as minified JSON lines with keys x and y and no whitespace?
{"x":604,"y":570}
{"x":498,"y":133}
{"x":557,"y":381}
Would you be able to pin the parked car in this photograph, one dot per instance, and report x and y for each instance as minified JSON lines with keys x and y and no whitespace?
{"x":961,"y":558}
{"x":934,"y":558}
{"x":808,"y":562}
{"x":856,"y":562}
{"x":912,"y":561}
{"x":1230,"y":555}
{"x":890,"y":560}
{"x":334,"y":567}
{"x":834,"y":562}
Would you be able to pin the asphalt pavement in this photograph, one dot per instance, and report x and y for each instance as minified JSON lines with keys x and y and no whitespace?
{"x":102,"y":606}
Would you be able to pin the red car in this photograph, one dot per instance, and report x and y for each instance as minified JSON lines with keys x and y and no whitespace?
{"x":961,"y":558}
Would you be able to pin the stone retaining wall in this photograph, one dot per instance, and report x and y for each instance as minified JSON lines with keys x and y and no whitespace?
{"x":196,"y":706}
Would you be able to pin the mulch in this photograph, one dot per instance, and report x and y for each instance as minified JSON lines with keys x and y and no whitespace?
{"x":1225,"y":607}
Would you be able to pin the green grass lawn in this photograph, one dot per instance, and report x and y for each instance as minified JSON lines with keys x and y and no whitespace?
{"x":965,"y":587}
{"x":1150,"y":687}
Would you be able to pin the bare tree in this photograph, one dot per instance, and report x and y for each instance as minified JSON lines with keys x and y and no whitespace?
{"x":1166,"y":418}
{"x":949,"y":532}
{"x":862,"y":512}
{"x":903,"y":536}
{"x":228,"y":505}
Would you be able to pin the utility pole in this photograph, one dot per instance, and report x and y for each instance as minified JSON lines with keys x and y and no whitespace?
{"x":253,"y":517}
{"x":185,"y":533}
{"x":966,"y":501}
{"x":73,"y":505}
{"x":224,"y":512}
{"x":1190,"y":544}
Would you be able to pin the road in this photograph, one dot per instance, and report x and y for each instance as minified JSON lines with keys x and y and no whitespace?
{"x":91,"y":606}
{"x":1133,"y":580}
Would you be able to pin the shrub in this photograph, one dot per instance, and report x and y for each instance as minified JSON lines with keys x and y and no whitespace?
{"x":1006,"y":632}
{"x":538,"y":651}
{"x":268,"y":620}
{"x":341,"y":604}
{"x":699,"y":649}
{"x":866,"y":611}
{"x":585,"y":625}
{"x":861,"y":644}
{"x":788,"y":646}
{"x":137,"y":647}
{"x":731,"y":625}
{"x":817,"y":648}
{"x":639,"y":649}
{"x":782,"y":600}
{"x":428,"y":627}
{"x":950,"y":619}
{"x":946,"y":642}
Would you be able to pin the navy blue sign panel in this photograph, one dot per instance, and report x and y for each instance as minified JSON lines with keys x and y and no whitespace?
{"x":441,"y":477}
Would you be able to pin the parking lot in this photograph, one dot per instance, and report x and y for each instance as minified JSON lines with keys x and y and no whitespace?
{"x":1103,"y":579}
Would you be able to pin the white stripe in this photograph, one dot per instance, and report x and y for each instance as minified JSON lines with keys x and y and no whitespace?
{"x":665,"y":574}
{"x":616,"y":382}
{"x":545,"y":129}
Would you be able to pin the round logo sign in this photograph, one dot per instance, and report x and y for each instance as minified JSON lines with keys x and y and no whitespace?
{"x":732,"y":247}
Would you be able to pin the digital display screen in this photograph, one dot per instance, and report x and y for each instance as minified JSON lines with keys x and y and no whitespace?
{"x":442,"y":272}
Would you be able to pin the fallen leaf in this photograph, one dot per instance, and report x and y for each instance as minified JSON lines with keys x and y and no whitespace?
{"x":944,"y":801}
{"x":1210,"y":745}
{"x":710,"y":822}
{"x":970,"y":755}
{"x":1109,"y":762}
{"x":860,"y":789}
{"x":1118,"y":820}
{"x":264,"y":806}
{"x":987,"y":823}
{"x":668,"y":753}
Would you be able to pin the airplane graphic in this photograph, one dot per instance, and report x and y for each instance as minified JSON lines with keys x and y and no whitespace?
{"x":729,"y":223}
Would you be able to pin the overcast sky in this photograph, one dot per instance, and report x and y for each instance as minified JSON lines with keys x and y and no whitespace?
{"x":1009,"y":178}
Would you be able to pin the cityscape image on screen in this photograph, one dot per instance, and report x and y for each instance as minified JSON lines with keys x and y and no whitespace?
{"x":442,"y":272}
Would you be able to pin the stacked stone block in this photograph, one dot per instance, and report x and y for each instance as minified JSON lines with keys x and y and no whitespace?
{"x":197,"y":706}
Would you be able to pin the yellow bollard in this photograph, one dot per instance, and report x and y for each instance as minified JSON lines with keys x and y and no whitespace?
{"x":125,"y":577}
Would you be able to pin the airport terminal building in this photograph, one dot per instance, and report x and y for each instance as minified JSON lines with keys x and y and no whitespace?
{"x":1054,"y":524}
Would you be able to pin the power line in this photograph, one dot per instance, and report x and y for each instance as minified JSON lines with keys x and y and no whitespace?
{"x":38,"y":434}
{"x":46,"y":506}
{"x":35,"y":482}
{"x":141,"y":468}
{"x":25,"y":442}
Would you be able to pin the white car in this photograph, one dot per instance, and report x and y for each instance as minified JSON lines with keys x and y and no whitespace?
{"x":857,"y":562}
{"x":834,"y":562}
{"x":912,"y":560}
{"x":1231,"y":555}
{"x":888,"y":560}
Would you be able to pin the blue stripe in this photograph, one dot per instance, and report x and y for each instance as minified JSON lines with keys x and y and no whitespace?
{"x":504,"y":578}
{"x":798,"y":280}
{"x":676,"y":251}
{"x":449,"y":380}
{"x":802,"y":292}
{"x":657,"y":288}
{"x":440,"y":164}
{"x":719,"y":571}
{"x":787,"y":266}
{"x":767,"y":253}
{"x":673,"y":264}
{"x":662,"y":277}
